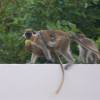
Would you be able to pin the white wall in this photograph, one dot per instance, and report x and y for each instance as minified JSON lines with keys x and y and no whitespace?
{"x":39,"y":82}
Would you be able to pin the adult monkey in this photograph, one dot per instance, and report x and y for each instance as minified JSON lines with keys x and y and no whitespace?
{"x":43,"y":41}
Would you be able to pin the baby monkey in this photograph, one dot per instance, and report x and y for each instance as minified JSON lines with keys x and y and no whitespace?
{"x":88,"y":56}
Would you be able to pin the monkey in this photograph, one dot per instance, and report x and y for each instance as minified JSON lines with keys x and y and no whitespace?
{"x":46,"y":45}
{"x":87,"y":56}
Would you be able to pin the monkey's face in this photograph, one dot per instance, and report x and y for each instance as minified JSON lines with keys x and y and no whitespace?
{"x":29,"y":35}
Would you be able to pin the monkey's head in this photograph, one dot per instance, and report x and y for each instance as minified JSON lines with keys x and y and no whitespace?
{"x":28,"y":33}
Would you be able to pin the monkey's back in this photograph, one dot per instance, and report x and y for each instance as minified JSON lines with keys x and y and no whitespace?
{"x":61,"y":39}
{"x":59,"y":36}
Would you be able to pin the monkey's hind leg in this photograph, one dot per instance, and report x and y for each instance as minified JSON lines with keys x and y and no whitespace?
{"x":68,"y":57}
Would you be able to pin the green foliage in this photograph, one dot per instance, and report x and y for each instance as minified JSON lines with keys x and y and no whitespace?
{"x":12,"y":49}
{"x":63,"y":25}
{"x":66,"y":15}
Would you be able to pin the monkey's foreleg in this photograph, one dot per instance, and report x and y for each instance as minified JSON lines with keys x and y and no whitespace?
{"x":34,"y":57}
{"x":47,"y":55}
{"x":46,"y":51}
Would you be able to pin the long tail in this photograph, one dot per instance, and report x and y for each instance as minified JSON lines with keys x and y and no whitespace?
{"x":62,"y":70}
